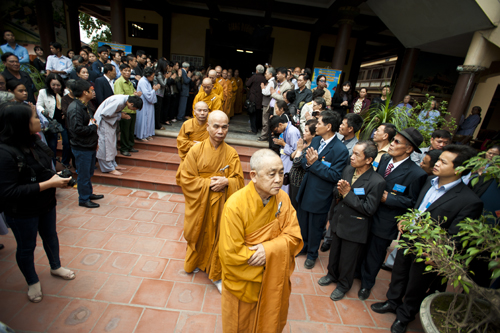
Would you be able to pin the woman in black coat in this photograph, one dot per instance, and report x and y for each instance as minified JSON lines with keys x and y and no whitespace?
{"x":28,"y":192}
{"x":342,"y":99}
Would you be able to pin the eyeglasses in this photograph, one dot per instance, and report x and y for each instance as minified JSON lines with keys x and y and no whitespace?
{"x":399,"y":142}
{"x":322,"y":81}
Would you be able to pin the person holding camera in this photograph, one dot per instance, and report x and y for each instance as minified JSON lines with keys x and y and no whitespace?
{"x":83,"y":133}
{"x":28,"y":192}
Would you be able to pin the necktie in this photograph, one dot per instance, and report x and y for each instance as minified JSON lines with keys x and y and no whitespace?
{"x":389,"y":169}
{"x":321,"y":146}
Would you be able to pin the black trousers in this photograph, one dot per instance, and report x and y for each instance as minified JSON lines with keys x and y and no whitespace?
{"x":158,"y":108}
{"x":376,"y":251}
{"x":173,"y":106}
{"x":311,"y":227}
{"x":165,"y":109}
{"x":256,"y":120}
{"x":294,"y":190}
{"x":408,"y":281}
{"x":344,"y":255}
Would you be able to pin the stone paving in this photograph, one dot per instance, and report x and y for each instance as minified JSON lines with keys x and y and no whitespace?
{"x":128,"y":257}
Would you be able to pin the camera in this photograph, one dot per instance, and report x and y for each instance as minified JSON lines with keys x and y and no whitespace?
{"x":67,"y":174}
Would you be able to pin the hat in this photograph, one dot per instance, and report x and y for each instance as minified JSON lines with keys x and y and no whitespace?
{"x":414,"y":136}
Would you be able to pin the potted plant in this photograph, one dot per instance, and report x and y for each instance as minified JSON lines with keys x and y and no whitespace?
{"x":477,"y":309}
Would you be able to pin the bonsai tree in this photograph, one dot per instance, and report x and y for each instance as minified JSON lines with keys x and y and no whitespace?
{"x":450,"y":258}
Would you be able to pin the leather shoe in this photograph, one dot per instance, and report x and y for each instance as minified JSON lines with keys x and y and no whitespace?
{"x":134,"y":150}
{"x":309,"y":264}
{"x":325,"y":246}
{"x":386,"y":268}
{"x":326,"y":280}
{"x":398,"y":327}
{"x":125,"y":153}
{"x":363,"y":293}
{"x":96,"y":196}
{"x":337,"y":295}
{"x":89,"y":204}
{"x":383,"y":307}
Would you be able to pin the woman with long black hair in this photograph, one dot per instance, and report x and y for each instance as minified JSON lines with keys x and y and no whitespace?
{"x":27,"y":192}
{"x":342,"y":99}
{"x":161,"y":76}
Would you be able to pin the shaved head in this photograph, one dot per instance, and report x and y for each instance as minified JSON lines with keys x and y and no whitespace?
{"x":218,"y":116}
{"x":212,"y":74}
{"x":207,"y":85}
{"x":201,"y":112}
{"x":266,"y":172}
{"x":262,"y":157}
{"x":224,"y":74}
{"x":218,"y":69}
{"x":217,"y":127}
{"x":201,"y":104}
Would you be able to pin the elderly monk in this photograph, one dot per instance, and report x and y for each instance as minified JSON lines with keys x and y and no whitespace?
{"x":222,"y":82}
{"x":217,"y":88}
{"x":194,"y":130}
{"x":234,"y":89}
{"x":259,"y":239}
{"x":238,"y":104}
{"x":210,"y":173}
{"x":208,"y":95}
{"x":229,"y":96}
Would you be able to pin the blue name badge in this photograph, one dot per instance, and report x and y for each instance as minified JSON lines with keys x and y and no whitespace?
{"x":359,"y":191}
{"x":328,"y":164}
{"x":375,"y":164}
{"x":399,"y":188}
{"x":428,"y":205}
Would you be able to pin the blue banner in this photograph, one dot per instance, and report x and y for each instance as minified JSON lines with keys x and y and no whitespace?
{"x":122,"y":47}
{"x":332,"y":78}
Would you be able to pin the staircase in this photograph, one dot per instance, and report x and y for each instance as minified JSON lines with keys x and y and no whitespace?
{"x":155,"y":165}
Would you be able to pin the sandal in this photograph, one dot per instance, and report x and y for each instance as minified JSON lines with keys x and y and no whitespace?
{"x":35,"y":298}
{"x":70,"y":276}
{"x":143,"y":140}
{"x":162,"y":128}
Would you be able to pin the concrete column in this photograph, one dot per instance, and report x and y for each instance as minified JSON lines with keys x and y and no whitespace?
{"x":45,"y":23}
{"x":117,"y":21}
{"x":356,"y":62}
{"x":311,"y":49}
{"x":340,"y":52}
{"x":405,"y":75}
{"x":73,"y":26}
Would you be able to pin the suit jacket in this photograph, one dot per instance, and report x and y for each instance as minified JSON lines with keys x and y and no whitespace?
{"x":352,"y":216}
{"x":255,"y":91}
{"x":457,"y":204}
{"x":407,"y":174}
{"x":185,"y":84}
{"x":102,"y":90}
{"x":316,"y":191}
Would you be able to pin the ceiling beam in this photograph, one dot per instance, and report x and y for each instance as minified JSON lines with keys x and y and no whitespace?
{"x":330,"y":17}
{"x":102,"y":15}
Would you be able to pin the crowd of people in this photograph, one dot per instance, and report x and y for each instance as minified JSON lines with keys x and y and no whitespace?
{"x":317,"y":187}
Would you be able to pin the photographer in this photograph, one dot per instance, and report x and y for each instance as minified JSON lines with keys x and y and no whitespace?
{"x":27,"y":192}
{"x":83,"y":133}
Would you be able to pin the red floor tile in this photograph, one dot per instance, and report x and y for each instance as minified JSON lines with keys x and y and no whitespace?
{"x":323,"y":290}
{"x":66,"y":254}
{"x":146,"y":229}
{"x":212,"y":303}
{"x":177,"y":198}
{"x":74,"y":221}
{"x":51,"y":285}
{"x":148,"y":246}
{"x":11,"y":304}
{"x":144,"y":215}
{"x":299,"y":266}
{"x":175,"y":272}
{"x":354,"y":312}
{"x":296,"y":310}
{"x":38,"y":316}
{"x":119,"y":289}
{"x":89,"y":259}
{"x":164,"y":206}
{"x":173,"y":250}
{"x":98,"y":223}
{"x":381,"y":320}
{"x":122,"y":201}
{"x":143,"y":203}
{"x":306,"y":327}
{"x":201,"y":278}
{"x":140,"y":194}
{"x":122,"y":191}
{"x":85,"y":285}
{"x":321,"y":309}
{"x":119,"y":263}
{"x":179,"y":208}
{"x":167,"y":218}
{"x":149,"y":267}
{"x":302,"y":283}
{"x":119,"y":319}
{"x":153,"y":293}
{"x":80,"y":316}
{"x":122,"y":226}
{"x":122,"y":243}
{"x":69,"y":236}
{"x":160,"y":196}
{"x":342,"y":329}
{"x":186,"y":296}
{"x":194,"y":322}
{"x":157,"y":321}
{"x":122,"y":212}
{"x":13,"y":279}
{"x":379,"y":291}
{"x":101,"y":211}
{"x":170,"y":232}
{"x":94,"y":239}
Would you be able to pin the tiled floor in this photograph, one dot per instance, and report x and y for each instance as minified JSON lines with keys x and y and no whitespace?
{"x":128,"y":256}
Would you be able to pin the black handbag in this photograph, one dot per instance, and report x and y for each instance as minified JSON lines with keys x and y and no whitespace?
{"x":54,"y":127}
{"x":250,"y":106}
{"x":286,"y":179}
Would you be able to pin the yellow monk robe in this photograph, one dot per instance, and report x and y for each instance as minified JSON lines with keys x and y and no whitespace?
{"x":254,"y":299}
{"x":227,"y":103}
{"x":203,"y":206}
{"x":213,"y":100}
{"x":238,"y":104}
{"x":190,"y":131}
{"x":225,"y":87}
{"x":217,"y":89}
{"x":234,"y":89}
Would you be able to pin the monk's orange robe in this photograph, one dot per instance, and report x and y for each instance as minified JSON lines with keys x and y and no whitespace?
{"x":255,"y":299}
{"x":191,"y":131}
{"x":238,"y":104}
{"x":213,"y":100}
{"x":225,"y":86}
{"x":227,"y":103}
{"x":234,"y":90}
{"x":217,"y":89}
{"x":203,"y":206}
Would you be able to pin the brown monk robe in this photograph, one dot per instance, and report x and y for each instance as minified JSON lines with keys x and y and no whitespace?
{"x":228,"y":93}
{"x":208,"y":96}
{"x":217,"y":88}
{"x":194,"y":130}
{"x":238,"y":104}
{"x":259,"y":239}
{"x":210,"y":173}
{"x":234,"y":90}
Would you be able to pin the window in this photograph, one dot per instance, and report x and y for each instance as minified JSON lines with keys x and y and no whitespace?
{"x":389,"y":72}
{"x":375,"y":74}
{"x":361,"y":75}
{"x":142,"y":30}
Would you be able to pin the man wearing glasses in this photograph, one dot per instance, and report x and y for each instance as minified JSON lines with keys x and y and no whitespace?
{"x":321,"y":85}
{"x":83,"y":132}
{"x":404,"y":180}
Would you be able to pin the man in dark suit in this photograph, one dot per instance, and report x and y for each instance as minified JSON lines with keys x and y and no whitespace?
{"x":324,"y":162}
{"x":443,"y":196}
{"x":104,"y":85}
{"x":359,"y":192}
{"x":404,"y":180}
{"x":184,"y":93}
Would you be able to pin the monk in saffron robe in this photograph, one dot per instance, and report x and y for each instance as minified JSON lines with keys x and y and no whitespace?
{"x":210,"y":173}
{"x":226,"y":107}
{"x":208,"y":96}
{"x":217,"y":88}
{"x":238,"y":104}
{"x":223,"y":84}
{"x":194,"y":130}
{"x":234,"y":90}
{"x":259,"y":239}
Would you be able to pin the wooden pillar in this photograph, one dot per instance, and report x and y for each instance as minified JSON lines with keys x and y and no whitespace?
{"x":167,"y":34}
{"x":45,"y":22}
{"x":74,"y":26}
{"x":356,"y":62}
{"x":117,"y":21}
{"x":340,"y":52}
{"x":311,"y":50}
{"x":405,"y":75}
